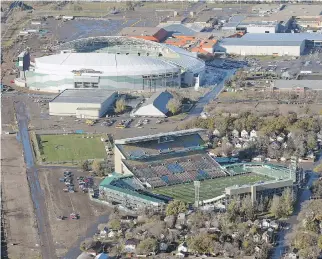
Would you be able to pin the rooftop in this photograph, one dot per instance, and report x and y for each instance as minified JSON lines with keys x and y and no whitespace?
{"x":139,"y":31}
{"x":293,"y":84}
{"x":158,"y":136}
{"x":181,"y":29}
{"x":83,"y":96}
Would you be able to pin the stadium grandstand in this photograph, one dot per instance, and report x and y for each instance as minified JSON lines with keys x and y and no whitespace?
{"x":115,"y":63}
{"x":167,"y":166}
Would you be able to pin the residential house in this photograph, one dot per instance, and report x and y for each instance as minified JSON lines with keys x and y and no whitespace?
{"x":216,"y":133}
{"x":257,"y":238}
{"x":244,"y":134}
{"x":130,"y":245}
{"x":253,"y":134}
{"x":272,"y":137}
{"x":180,"y":255}
{"x":163,"y":247}
{"x":275,"y":145}
{"x":292,"y":255}
{"x":128,"y":219}
{"x":235,"y":133}
{"x":104,"y":233}
{"x":181,"y":219}
{"x":183,"y":248}
{"x":274,"y":224}
{"x":246,"y":145}
{"x":238,"y":145}
{"x":281,"y":137}
{"x":112,"y":234}
{"x":265,"y":223}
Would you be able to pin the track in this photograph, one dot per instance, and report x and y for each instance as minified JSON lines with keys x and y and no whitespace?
{"x":37,"y":195}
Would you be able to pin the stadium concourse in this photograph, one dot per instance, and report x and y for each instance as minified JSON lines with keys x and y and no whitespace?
{"x":151,"y":170}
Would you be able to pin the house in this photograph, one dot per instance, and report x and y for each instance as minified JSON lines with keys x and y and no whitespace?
{"x":104,"y":232}
{"x":128,"y":218}
{"x":281,"y":137}
{"x":253,"y":134}
{"x":244,"y":134}
{"x":182,"y":248}
{"x":275,"y":145}
{"x":256,"y":238}
{"x":181,"y":219}
{"x":163,"y":247}
{"x":130,"y":245}
{"x":274,"y":224}
{"x":235,"y":133}
{"x":216,"y":133}
{"x":272,"y":137}
{"x":180,"y":255}
{"x":292,"y":255}
{"x":265,"y":223}
{"x":245,"y":145}
{"x":112,"y":234}
{"x":238,"y":145}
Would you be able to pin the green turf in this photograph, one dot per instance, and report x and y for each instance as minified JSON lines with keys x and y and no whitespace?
{"x":209,"y":188}
{"x":71,"y":147}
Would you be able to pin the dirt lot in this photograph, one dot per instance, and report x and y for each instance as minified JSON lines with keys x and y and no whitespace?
{"x":18,"y":207}
{"x":67,"y":232}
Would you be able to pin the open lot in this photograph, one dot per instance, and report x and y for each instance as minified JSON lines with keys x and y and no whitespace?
{"x":18,"y":209}
{"x":71,"y":147}
{"x":209,"y":188}
{"x":69,"y":233}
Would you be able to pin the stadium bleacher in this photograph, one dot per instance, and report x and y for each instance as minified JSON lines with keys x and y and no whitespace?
{"x":170,"y":171}
{"x":155,"y":147}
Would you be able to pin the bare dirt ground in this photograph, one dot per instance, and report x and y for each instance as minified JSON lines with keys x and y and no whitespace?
{"x":59,"y":203}
{"x":18,"y":207}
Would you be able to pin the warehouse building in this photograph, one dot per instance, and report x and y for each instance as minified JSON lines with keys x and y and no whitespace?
{"x":275,"y":44}
{"x":147,"y":33}
{"x":83,"y":103}
{"x":155,"y":106}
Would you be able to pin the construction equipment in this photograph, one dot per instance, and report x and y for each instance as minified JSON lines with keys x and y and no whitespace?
{"x":90,"y":122}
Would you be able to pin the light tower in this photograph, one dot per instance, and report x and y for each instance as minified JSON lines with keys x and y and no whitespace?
{"x":197,"y":191}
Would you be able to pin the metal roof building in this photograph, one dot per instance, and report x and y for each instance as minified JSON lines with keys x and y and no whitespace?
{"x":82,"y":103}
{"x":298,"y":85}
{"x":279,"y":44}
{"x":114,"y":63}
{"x":155,"y":106}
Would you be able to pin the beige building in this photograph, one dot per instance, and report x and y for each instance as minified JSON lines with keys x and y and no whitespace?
{"x":83,"y":103}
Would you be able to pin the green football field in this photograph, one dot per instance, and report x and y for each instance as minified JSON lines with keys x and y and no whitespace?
{"x":209,"y":188}
{"x":71,"y":147}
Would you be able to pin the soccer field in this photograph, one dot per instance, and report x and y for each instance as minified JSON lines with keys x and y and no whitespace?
{"x":71,"y":147}
{"x":209,"y":188}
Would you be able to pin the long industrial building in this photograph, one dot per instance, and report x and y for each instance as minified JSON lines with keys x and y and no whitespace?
{"x":83,"y":103}
{"x":277,"y":44}
{"x":115,"y":63}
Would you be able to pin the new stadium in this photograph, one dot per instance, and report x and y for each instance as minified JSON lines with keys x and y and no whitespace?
{"x":151,"y":170}
{"x":116,"y":63}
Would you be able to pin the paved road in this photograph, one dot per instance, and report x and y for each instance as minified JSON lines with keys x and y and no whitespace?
{"x":198,"y":108}
{"x":292,"y":221}
{"x":37,"y":195}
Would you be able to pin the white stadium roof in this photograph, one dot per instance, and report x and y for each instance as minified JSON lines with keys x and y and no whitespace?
{"x":108,"y":64}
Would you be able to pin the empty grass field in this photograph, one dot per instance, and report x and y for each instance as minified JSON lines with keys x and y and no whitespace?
{"x":209,"y":188}
{"x":71,"y":147}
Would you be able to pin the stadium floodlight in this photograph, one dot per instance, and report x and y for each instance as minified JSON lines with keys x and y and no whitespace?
{"x":197,"y":192}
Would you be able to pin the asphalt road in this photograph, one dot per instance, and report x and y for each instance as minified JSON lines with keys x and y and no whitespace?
{"x":292,"y":221}
{"x":37,"y":195}
{"x":198,"y":108}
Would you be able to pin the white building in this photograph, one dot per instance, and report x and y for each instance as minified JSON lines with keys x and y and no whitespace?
{"x":155,"y":106}
{"x":82,"y":103}
{"x":272,"y":44}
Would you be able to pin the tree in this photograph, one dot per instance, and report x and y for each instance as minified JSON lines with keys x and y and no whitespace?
{"x":129,"y":6}
{"x":233,"y":210}
{"x":175,"y":207}
{"x":78,"y":8}
{"x":85,"y":165}
{"x":320,"y":242}
{"x":276,"y":208}
{"x":117,"y":250}
{"x":287,"y":202}
{"x":147,"y":246}
{"x":120,"y":105}
{"x":114,"y":224}
{"x":202,"y":243}
{"x":247,"y":208}
{"x":174,"y":106}
{"x":97,"y":166}
{"x":263,"y":253}
{"x":312,"y":225}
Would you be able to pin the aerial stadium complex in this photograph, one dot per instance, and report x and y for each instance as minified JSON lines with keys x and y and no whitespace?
{"x":151,"y":170}
{"x":115,"y":63}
